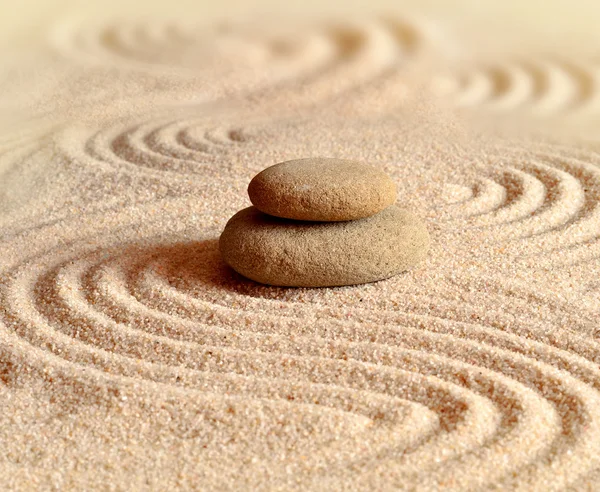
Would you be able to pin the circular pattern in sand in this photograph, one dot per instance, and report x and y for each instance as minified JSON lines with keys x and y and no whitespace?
{"x":438,"y":377}
{"x":541,"y":86}
{"x":542,"y":201}
{"x":177,"y":147}
{"x":325,"y":59}
{"x":479,"y":369}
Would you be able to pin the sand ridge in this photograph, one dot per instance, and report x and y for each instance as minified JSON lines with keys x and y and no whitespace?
{"x":131,"y":356}
{"x":541,"y":85}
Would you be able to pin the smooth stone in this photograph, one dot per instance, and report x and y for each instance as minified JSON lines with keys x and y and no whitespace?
{"x":322,"y":190}
{"x":283,"y":252}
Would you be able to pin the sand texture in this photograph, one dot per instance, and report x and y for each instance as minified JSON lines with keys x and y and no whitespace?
{"x":133,"y":358}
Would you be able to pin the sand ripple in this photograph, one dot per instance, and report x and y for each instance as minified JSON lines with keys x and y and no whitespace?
{"x":479,"y":369}
{"x":535,"y":202}
{"x":325,"y":58}
{"x":180,"y":147}
{"x":540,"y":86}
{"x":445,"y":381}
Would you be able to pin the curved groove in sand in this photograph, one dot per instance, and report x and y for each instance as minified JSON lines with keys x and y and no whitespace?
{"x":548,"y":200}
{"x":542,"y":86}
{"x":149,"y":316}
{"x":452,"y":377}
{"x":164,"y":149}
{"x":100,"y":352}
{"x":177,"y":149}
{"x":324,"y":59}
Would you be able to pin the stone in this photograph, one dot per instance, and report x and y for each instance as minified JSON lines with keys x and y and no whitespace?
{"x":322,"y":190}
{"x":284,"y":252}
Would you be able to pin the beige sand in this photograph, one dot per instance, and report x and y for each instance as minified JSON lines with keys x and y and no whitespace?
{"x":132,"y":358}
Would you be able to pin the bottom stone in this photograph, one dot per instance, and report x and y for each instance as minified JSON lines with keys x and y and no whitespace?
{"x":293,"y":253}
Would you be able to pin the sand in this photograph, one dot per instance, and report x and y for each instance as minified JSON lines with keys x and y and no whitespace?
{"x":133,"y":358}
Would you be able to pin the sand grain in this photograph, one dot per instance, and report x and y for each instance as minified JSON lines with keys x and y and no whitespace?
{"x":131,"y":356}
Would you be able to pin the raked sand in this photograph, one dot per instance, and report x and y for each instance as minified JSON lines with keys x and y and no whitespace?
{"x":133,"y":358}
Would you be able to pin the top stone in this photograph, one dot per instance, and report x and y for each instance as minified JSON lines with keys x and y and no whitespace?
{"x":321,"y":189}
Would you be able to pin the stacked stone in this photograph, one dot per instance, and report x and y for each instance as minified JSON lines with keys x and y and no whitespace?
{"x":322,"y":223}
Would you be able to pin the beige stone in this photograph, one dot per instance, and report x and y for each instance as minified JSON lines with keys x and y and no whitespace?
{"x":322,"y":190}
{"x":285,"y":252}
